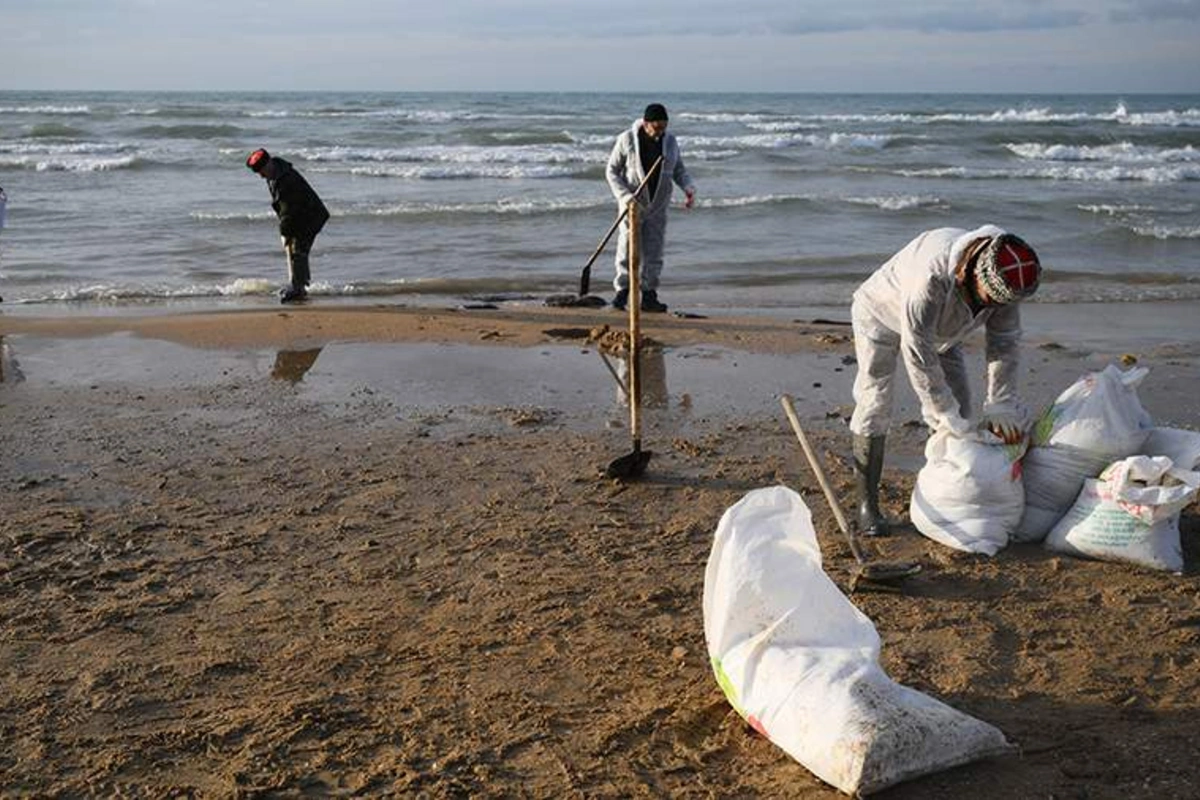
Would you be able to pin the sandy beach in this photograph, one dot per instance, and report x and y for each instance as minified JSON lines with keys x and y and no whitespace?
{"x":369,"y":551}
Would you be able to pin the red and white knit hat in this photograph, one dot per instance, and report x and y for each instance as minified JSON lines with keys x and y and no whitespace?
{"x":1009,"y":269}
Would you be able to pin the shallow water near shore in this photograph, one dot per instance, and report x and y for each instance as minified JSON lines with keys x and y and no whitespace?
{"x":452,"y":388}
{"x":569,"y":384}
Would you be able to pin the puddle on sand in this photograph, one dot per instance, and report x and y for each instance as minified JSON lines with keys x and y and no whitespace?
{"x":680,"y":385}
{"x":121,"y":359}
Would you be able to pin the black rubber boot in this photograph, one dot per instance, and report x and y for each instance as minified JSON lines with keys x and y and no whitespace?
{"x":620,"y":299}
{"x":293,"y":294}
{"x":868,"y":469}
{"x":651,"y":303}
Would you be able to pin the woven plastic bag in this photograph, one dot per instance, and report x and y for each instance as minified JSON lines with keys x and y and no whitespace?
{"x":969,"y":494}
{"x":1179,"y":445}
{"x":801,"y":664}
{"x":1130,"y":513}
{"x":1096,"y":421}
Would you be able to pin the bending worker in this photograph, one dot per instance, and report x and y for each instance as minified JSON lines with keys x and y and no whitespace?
{"x":920,"y":305}
{"x":632,"y":157}
{"x":301,"y":217}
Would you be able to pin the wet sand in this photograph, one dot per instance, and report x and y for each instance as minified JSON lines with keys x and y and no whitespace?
{"x":338,"y":550}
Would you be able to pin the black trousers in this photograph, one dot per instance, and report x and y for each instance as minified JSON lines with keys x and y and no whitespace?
{"x":297,"y":249}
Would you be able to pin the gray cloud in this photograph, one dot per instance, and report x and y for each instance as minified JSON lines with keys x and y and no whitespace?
{"x":1155,"y":10}
{"x":939,"y":45}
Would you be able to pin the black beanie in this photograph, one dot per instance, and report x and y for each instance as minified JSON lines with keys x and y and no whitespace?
{"x":655,"y":112}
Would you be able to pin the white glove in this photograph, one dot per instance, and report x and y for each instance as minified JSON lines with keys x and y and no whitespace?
{"x":1004,"y":425}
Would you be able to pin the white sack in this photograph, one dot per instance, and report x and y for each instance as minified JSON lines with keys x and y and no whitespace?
{"x":1177,"y":444}
{"x":1130,"y":513}
{"x":969,"y":494}
{"x":801,"y":664}
{"x":1096,"y":421}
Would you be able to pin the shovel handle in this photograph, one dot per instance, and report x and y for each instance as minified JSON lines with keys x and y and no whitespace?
{"x":635,"y":328}
{"x":585,"y":277}
{"x":814,"y":461}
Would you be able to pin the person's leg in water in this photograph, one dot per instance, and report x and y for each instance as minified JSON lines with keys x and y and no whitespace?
{"x":299,"y":277}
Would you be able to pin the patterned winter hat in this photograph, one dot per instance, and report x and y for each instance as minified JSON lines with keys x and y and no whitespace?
{"x":1009,"y":269}
{"x":258,"y":159}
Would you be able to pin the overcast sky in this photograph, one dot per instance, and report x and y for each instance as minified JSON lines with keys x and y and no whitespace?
{"x":1020,"y":46}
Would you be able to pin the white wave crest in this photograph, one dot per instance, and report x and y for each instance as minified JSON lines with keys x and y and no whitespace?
{"x":1154,"y":174}
{"x":1115,"y":210}
{"x":783,"y":126}
{"x":459,"y":171}
{"x":1164,"y":232}
{"x":1125,"y":152}
{"x":751,"y":200}
{"x":516,"y":206}
{"x":246,"y":286}
{"x":772,"y":141}
{"x":40,"y":147}
{"x":1168,"y":119}
{"x":711,"y":155}
{"x":423,"y":115}
{"x":467,"y":154}
{"x":65,"y":110}
{"x":1120,"y":114}
{"x":231,"y":216}
{"x":67,"y":164}
{"x":898,"y":202}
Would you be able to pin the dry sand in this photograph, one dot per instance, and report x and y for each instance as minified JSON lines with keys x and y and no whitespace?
{"x":223,"y":574}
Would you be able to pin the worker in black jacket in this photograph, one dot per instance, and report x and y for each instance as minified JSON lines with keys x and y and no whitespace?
{"x":301,"y":217}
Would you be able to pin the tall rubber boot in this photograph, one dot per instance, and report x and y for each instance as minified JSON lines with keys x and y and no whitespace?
{"x":296,"y":291}
{"x":868,"y":469}
{"x":298,"y":270}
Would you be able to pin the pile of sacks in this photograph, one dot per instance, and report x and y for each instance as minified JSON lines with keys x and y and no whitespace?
{"x":1094,"y":478}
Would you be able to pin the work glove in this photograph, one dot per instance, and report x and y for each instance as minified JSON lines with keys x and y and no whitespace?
{"x":691,"y":197}
{"x":1004,"y":425}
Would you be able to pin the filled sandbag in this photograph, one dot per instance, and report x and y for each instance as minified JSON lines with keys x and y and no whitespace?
{"x":1130,"y":513}
{"x":969,"y":494}
{"x":1179,"y":445}
{"x":801,"y":664}
{"x":1096,"y":421}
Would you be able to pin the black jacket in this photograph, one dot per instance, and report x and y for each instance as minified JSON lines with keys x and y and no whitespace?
{"x":301,"y":212}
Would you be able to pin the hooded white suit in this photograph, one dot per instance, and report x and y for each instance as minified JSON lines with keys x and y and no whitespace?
{"x":913,"y":307}
{"x":624,"y":174}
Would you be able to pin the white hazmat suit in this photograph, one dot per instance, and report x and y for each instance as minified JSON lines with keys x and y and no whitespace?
{"x":913,"y":307}
{"x":624,"y":174}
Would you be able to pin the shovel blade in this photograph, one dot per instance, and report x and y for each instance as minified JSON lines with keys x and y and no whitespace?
{"x":628,"y":466}
{"x":887,"y":573}
{"x":882,"y":577}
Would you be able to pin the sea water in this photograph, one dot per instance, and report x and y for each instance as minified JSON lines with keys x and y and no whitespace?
{"x":142,"y":199}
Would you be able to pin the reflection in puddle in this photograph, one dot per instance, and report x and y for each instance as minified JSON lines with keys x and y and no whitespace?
{"x":10,"y":370}
{"x":653,"y":375}
{"x":290,"y":365}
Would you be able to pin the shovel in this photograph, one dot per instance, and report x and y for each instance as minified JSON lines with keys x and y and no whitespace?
{"x":866,"y":571}
{"x":585,"y":278}
{"x":632,"y":465}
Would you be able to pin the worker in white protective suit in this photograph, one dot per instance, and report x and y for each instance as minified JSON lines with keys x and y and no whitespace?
{"x":921,"y":305}
{"x":632,"y":157}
